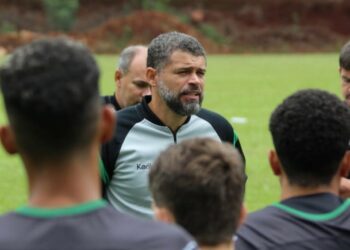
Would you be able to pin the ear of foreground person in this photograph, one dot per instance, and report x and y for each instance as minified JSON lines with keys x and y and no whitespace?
{"x":56,"y":124}
{"x":310,"y":131}
{"x":199,"y":185}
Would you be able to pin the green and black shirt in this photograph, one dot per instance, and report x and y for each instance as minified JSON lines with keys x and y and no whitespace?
{"x":319,"y":222}
{"x":89,"y":226}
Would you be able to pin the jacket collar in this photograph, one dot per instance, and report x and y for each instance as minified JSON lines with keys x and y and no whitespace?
{"x":149,"y":115}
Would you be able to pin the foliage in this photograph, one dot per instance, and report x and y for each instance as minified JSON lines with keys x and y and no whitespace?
{"x":210,"y":32}
{"x":61,"y":13}
{"x":7,"y":27}
{"x":158,"y":5}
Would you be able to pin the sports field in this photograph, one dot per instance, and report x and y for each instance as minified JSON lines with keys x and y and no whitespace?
{"x":247,"y":86}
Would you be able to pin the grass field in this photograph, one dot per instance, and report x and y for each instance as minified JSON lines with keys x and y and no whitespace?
{"x":247,"y":86}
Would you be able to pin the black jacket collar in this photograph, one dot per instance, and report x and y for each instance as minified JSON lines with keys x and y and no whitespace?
{"x":149,"y":115}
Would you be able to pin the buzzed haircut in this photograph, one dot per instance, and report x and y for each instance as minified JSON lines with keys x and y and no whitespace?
{"x":344,"y":56}
{"x":162,"y":47}
{"x":50,"y":90}
{"x":201,"y":182}
{"x":310,"y":131}
{"x":126,"y":57}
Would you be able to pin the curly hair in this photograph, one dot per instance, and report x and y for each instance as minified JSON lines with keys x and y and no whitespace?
{"x":50,"y":90}
{"x":310,"y":132}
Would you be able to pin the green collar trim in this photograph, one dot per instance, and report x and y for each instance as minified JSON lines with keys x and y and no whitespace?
{"x":315,"y":217}
{"x":103,"y":172}
{"x":65,"y":211}
{"x":235,"y":138}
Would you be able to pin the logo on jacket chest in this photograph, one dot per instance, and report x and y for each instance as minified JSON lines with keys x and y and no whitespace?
{"x":143,"y":166}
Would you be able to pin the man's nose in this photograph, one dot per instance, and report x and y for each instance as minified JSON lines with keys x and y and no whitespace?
{"x":194,"y":78}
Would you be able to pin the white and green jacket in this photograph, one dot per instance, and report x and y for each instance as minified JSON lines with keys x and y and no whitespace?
{"x":139,"y":138}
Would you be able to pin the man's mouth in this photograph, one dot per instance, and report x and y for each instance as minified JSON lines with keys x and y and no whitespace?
{"x":191,"y":95}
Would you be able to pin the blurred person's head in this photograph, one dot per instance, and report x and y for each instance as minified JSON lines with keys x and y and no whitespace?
{"x":199,"y":184}
{"x":344,"y":71}
{"x":310,"y":131}
{"x":130,"y":76}
{"x":50,"y":90}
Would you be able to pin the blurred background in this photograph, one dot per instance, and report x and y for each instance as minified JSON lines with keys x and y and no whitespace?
{"x":223,"y":26}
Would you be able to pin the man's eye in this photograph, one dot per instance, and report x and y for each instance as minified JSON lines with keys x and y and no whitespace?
{"x":346,"y":80}
{"x":142,"y":85}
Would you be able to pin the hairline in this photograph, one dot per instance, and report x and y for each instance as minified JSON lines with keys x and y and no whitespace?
{"x":167,"y":60}
{"x":127,"y":56}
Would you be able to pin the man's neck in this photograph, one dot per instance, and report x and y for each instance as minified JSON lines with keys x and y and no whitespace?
{"x":223,"y":246}
{"x":67,"y":183}
{"x":118,"y":100}
{"x":289,"y":191}
{"x":166,"y":115}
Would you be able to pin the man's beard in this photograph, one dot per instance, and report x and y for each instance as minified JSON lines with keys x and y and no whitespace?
{"x":173,"y":99}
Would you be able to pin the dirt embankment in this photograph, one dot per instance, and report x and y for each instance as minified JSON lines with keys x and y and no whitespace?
{"x":222,"y":25}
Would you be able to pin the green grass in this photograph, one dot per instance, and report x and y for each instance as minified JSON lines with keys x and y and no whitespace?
{"x":236,"y":85}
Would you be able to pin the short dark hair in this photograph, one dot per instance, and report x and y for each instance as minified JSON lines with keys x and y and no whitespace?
{"x":344,"y":56}
{"x":50,"y":90}
{"x":201,"y":181}
{"x":162,"y":47}
{"x":311,"y":132}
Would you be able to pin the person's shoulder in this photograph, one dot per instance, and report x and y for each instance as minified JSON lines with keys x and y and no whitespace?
{"x":263,"y":216}
{"x":7,"y":218}
{"x":208,"y":114}
{"x":256,"y":232}
{"x":129,"y":114}
{"x":215,"y":119}
{"x":149,"y":234}
{"x":11,"y":225}
{"x":220,"y":124}
{"x":258,"y":222}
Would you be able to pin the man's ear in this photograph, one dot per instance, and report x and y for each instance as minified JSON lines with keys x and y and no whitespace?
{"x":275,"y":163}
{"x":345,"y":165}
{"x":108,"y":121}
{"x":117,"y":76}
{"x":163,"y":214}
{"x":151,"y":75}
{"x":8,"y":140}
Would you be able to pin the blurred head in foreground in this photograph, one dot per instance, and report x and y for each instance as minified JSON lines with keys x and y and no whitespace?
{"x":199,"y":184}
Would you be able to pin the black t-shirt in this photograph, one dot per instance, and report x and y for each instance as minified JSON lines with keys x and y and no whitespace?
{"x":110,"y":99}
{"x":89,"y":226}
{"x":320,"y":221}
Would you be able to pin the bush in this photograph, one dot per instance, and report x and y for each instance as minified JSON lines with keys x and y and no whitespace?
{"x":210,"y":32}
{"x":7,"y":27}
{"x":61,"y":13}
